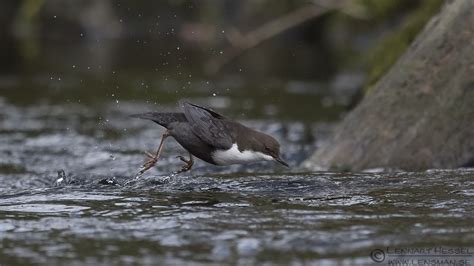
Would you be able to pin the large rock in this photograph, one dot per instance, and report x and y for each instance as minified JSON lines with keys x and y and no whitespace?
{"x":421,"y":113}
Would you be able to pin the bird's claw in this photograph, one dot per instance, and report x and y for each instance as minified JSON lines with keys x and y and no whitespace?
{"x":151,"y":156}
{"x":183,"y":159}
{"x":149,"y":164}
{"x":187,"y":166}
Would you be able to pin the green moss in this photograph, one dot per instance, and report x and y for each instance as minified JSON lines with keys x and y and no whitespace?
{"x":379,"y":10}
{"x":391,"y":47}
{"x":375,"y":15}
{"x":26,"y":24}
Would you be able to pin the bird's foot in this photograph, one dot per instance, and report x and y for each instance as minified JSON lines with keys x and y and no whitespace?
{"x":151,"y":156}
{"x":189,"y":164}
{"x":153,"y":159}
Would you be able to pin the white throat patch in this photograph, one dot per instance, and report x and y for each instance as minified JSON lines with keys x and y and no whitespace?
{"x":234,"y":156}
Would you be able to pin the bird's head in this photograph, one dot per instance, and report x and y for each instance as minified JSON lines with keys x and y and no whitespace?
{"x":271,"y":147}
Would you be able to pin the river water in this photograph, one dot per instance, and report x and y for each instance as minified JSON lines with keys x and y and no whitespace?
{"x":69,"y":154}
{"x":68,"y":195}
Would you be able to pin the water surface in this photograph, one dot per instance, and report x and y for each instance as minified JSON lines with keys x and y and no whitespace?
{"x":69,"y":154}
{"x":243,"y":218}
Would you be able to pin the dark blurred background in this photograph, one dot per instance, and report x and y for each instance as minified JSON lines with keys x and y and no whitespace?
{"x":71,"y":73}
{"x":91,"y":52}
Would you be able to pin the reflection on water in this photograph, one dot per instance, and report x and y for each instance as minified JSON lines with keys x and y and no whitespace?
{"x":242,"y":218}
{"x":67,"y":194}
{"x":69,"y":152}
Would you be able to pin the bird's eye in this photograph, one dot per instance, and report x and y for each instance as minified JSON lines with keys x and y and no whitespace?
{"x":269,"y":152}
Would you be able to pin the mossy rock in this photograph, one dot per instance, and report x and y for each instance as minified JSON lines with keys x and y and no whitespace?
{"x":393,"y":45}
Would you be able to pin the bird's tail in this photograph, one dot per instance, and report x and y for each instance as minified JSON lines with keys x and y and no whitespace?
{"x":163,"y":119}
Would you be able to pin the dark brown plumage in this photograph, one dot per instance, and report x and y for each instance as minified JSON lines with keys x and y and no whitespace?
{"x":212,"y":137}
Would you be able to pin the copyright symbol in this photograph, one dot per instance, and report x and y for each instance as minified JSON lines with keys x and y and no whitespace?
{"x":377,"y":255}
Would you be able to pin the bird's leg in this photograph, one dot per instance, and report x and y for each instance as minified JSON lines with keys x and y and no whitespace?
{"x":154,"y":157}
{"x":188,"y":165}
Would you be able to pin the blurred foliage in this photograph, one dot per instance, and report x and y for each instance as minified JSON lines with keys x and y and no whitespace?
{"x":173,"y":40}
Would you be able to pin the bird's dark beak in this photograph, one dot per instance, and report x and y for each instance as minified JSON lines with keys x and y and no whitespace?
{"x":280,"y":160}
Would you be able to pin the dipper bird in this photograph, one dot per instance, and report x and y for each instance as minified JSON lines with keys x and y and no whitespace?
{"x":212,"y":138}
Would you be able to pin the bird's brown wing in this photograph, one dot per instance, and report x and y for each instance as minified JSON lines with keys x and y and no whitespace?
{"x":208,"y":125}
